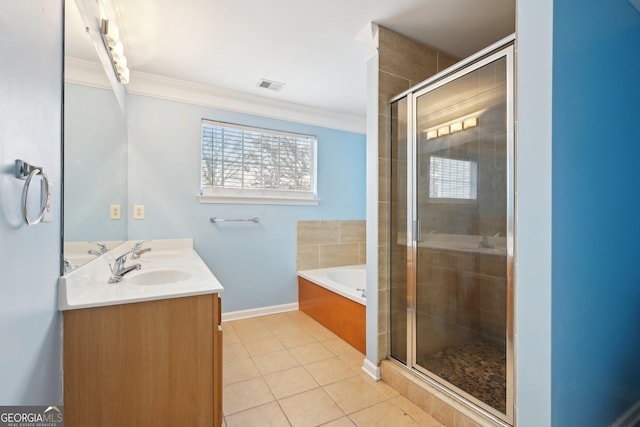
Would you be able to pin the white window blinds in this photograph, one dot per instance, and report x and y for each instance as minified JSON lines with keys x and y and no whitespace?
{"x":452,"y":179}
{"x":247,"y":160}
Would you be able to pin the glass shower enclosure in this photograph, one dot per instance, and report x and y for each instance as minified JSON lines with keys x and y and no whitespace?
{"x":452,"y":228}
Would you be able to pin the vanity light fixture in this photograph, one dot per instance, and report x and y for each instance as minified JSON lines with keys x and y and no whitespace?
{"x":443,"y":130}
{"x":455,"y":126}
{"x":470,"y":122}
{"x":115,"y":48}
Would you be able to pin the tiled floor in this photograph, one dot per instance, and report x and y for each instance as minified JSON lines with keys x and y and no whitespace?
{"x":288,"y":370}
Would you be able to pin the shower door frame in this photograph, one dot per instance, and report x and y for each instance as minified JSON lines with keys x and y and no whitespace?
{"x":503,"y":48}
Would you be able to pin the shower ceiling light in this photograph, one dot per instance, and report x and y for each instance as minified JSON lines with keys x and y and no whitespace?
{"x":115,"y":49}
{"x":455,"y":126}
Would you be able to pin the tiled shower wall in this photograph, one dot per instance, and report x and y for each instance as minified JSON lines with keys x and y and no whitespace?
{"x":402,"y":64}
{"x":323,"y":244}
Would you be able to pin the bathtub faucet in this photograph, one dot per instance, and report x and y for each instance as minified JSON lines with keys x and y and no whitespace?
{"x":363,"y":295}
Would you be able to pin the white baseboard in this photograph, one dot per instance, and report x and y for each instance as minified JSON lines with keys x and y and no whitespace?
{"x":371,"y":369}
{"x":630,"y":417}
{"x":262,"y":311}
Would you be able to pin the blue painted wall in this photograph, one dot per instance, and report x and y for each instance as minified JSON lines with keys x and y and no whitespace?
{"x":95,"y":142}
{"x":256,"y":263}
{"x":596,"y":149}
{"x":30,"y":129}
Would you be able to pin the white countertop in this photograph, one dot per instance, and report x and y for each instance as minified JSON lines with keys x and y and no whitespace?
{"x":88,"y":285}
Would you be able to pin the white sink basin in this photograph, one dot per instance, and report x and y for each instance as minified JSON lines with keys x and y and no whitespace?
{"x":158,"y":277}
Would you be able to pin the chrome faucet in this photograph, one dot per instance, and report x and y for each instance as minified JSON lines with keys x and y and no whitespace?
{"x":138,"y":250}
{"x":102,"y":248}
{"x":118,"y":269}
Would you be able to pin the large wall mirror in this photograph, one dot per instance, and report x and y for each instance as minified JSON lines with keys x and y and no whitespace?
{"x":95,"y":148}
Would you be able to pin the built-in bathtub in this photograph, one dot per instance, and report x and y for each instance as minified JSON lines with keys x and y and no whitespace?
{"x":336,"y":298}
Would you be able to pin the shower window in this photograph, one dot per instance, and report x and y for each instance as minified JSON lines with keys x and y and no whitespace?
{"x":452,"y":179}
{"x":250,"y":163}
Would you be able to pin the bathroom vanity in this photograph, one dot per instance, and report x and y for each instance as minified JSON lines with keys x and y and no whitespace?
{"x":146,"y":351}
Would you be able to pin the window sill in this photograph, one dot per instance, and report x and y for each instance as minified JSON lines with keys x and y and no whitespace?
{"x":258,"y":200}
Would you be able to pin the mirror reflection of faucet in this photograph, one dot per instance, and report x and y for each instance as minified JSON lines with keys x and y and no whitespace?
{"x":102,"y":248}
{"x":138,"y":250}
{"x":485,"y":243}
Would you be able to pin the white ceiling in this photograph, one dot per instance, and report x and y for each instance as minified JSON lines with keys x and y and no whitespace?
{"x":308,"y":45}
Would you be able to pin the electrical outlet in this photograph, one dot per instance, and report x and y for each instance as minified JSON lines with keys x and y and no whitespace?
{"x":138,"y":211}
{"x":115,"y":211}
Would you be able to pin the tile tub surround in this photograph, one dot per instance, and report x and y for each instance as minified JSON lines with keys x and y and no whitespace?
{"x":288,"y":370}
{"x":322,"y":244}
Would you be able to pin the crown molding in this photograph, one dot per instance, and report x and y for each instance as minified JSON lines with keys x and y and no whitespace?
{"x":171,"y":89}
{"x":369,"y":37}
{"x":86,"y":73}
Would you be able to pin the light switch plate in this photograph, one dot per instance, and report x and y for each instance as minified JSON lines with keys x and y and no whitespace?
{"x":114,"y":212}
{"x":138,"y":211}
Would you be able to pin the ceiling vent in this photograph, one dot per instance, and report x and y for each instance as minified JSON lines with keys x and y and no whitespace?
{"x":271,"y":85}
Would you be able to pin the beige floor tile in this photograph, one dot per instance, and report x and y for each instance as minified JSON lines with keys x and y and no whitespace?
{"x":384,"y":414}
{"x":418,"y":414}
{"x":340,"y":422}
{"x":229,"y":336}
{"x":260,"y":345}
{"x":275,"y":361}
{"x":239,"y":370}
{"x":231,"y":352}
{"x":296,"y":339}
{"x":354,"y":394}
{"x":289,"y":382}
{"x":330,"y":370}
{"x":338,"y":346}
{"x":244,"y":395}
{"x":311,"y":408}
{"x":381,"y":386}
{"x":269,"y":415}
{"x":353,"y":358}
{"x":311,"y":353}
{"x":320,"y":332}
{"x":281,"y":329}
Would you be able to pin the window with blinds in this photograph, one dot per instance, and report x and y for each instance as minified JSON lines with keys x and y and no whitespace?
{"x":452,"y":178}
{"x":241,"y":161}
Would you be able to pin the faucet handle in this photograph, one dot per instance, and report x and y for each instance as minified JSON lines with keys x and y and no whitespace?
{"x":138,"y":245}
{"x":102,"y":247}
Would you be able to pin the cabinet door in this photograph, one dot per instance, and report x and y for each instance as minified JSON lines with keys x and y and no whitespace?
{"x":144,"y":364}
{"x":217,"y":363}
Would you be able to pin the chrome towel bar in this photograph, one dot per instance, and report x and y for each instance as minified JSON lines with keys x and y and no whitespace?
{"x":27,"y":172}
{"x":214,"y":219}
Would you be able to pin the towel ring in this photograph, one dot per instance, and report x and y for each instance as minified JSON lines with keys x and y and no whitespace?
{"x":27,"y":172}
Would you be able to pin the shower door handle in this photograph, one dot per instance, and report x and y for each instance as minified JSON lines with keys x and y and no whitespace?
{"x":417,"y":231}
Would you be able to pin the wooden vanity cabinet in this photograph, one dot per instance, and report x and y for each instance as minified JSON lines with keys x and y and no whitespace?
{"x":152,"y":363}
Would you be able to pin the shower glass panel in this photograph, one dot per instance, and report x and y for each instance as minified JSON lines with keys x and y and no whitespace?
{"x":451,"y":232}
{"x":461,"y":206}
{"x":398,"y":232}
